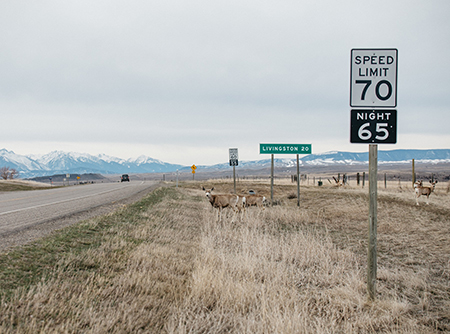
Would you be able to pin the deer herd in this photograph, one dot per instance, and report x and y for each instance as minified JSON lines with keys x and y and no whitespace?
{"x":240,"y":202}
{"x":236,"y":202}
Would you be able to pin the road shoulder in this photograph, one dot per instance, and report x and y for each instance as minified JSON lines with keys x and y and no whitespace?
{"x":34,"y":232}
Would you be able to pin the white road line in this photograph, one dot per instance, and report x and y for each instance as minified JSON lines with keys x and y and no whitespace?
{"x":58,"y":202}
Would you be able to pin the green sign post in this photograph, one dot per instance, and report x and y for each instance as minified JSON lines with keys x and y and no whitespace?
{"x":285,"y":149}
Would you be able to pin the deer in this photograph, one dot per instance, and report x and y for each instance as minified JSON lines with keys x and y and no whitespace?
{"x":221,"y":201}
{"x":255,"y":200}
{"x":425,"y":190}
{"x":338,"y":181}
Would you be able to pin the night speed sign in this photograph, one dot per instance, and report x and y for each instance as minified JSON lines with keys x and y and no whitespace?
{"x":373,"y":78}
{"x":373,"y":126}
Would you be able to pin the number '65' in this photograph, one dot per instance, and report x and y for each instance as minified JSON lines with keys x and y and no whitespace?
{"x":381,"y":128}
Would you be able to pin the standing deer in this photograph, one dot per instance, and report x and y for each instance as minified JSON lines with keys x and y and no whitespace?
{"x":255,"y":200}
{"x":221,"y":201}
{"x":425,"y":190}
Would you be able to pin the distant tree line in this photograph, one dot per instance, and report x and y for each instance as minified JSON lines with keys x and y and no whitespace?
{"x":7,"y":173}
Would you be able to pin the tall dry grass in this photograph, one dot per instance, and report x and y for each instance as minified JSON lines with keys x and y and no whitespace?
{"x":274,"y":272}
{"x":173,"y":265}
{"x":128,"y":279}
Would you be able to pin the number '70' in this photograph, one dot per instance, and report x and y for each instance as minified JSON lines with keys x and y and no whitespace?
{"x":367,"y":84}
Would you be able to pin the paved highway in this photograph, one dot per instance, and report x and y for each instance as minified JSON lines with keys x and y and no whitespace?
{"x":23,"y":209}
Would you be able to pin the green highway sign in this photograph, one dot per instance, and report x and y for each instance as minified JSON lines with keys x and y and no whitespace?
{"x":285,"y":148}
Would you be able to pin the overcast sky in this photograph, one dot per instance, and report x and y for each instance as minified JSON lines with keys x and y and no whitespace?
{"x":184,"y":81}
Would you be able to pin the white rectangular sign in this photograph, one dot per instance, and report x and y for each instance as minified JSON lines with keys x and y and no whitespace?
{"x":233,"y":155}
{"x":373,"y":78}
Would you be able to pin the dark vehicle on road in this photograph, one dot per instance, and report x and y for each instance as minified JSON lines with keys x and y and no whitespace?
{"x":124,"y":178}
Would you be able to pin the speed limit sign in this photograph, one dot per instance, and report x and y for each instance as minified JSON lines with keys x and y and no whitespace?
{"x":373,"y":78}
{"x":373,"y":86}
{"x":233,"y":154}
{"x":373,"y":126}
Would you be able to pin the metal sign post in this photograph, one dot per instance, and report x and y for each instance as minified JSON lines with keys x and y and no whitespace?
{"x":271,"y":178}
{"x":373,"y":75}
{"x":193,"y":167}
{"x":234,"y":178}
{"x":234,"y":161}
{"x":298,"y":182}
{"x":285,"y":149}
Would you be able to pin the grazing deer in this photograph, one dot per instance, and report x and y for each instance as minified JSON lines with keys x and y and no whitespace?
{"x":338,"y":181}
{"x":425,"y":190}
{"x":255,"y":200}
{"x":221,"y":201}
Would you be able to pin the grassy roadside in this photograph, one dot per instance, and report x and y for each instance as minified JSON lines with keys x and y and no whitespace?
{"x":327,"y":239}
{"x":19,"y":186}
{"x":122,"y":272}
{"x":167,"y":264}
{"x":29,"y":264}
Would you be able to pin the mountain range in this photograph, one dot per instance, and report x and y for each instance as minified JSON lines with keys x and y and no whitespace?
{"x":59,"y":162}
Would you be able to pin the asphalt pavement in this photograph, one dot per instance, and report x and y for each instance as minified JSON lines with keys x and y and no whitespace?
{"x":23,"y":211}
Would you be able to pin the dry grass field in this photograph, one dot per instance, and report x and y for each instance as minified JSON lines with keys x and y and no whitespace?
{"x":17,"y":184}
{"x":168,"y":264}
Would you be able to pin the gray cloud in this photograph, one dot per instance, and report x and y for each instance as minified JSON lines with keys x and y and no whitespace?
{"x":202,"y":76}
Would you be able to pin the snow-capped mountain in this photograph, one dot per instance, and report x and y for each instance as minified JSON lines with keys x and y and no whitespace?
{"x":394,"y":156}
{"x":347,"y":158}
{"x":19,"y":162}
{"x":58,"y":162}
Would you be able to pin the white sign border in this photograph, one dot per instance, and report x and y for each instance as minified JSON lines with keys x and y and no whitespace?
{"x":352,"y":79}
